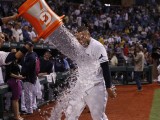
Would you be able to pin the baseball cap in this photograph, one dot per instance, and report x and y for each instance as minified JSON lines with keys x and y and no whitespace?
{"x":29,"y":43}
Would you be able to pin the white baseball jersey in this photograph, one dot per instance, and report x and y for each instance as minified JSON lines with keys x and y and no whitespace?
{"x":90,"y":73}
{"x":97,"y":51}
{"x":3,"y":56}
{"x":90,"y":88}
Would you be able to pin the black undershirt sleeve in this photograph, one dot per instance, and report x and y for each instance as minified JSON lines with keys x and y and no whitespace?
{"x":106,"y":74}
{"x":11,"y":57}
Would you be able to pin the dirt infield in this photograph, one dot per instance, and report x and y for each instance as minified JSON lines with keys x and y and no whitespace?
{"x":129,"y":105}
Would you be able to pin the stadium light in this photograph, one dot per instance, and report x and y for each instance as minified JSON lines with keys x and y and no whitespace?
{"x":108,"y":5}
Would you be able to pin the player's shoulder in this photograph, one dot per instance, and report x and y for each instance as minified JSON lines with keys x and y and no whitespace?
{"x":96,"y":42}
{"x":4,"y":53}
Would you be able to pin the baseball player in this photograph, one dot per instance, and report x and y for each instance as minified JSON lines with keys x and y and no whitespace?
{"x":93,"y":79}
{"x":94,"y":95}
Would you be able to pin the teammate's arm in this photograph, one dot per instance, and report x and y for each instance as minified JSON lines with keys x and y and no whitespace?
{"x":13,"y":56}
{"x":5,"y":20}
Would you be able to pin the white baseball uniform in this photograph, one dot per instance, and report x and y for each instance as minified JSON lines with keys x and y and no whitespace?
{"x":90,"y":88}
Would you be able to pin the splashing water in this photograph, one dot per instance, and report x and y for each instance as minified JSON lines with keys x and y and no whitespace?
{"x":79,"y":81}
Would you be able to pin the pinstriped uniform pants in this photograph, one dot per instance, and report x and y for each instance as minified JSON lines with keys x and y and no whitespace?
{"x":29,"y":95}
{"x":95,"y":99}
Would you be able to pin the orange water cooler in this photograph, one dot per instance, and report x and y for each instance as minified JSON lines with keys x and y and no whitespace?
{"x":40,"y":16}
{"x":49,"y":26}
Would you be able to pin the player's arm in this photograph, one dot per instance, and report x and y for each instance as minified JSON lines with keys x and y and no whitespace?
{"x":107,"y":78}
{"x":17,"y":76}
{"x":5,"y":20}
{"x":13,"y":56}
{"x":104,"y":63}
{"x":106,"y":74}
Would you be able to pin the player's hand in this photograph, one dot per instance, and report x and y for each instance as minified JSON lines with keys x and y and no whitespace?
{"x":112,"y":92}
{"x":21,"y":77}
{"x":14,"y":17}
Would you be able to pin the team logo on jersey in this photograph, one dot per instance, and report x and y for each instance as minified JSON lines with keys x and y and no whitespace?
{"x":102,"y":58}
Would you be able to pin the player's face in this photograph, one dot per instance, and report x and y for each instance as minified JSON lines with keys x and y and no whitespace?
{"x":2,"y":39}
{"x":83,"y":38}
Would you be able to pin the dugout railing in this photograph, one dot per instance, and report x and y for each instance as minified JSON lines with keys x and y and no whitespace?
{"x":124,"y":74}
{"x":21,"y":44}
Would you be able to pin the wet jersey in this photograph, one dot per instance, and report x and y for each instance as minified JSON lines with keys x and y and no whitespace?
{"x":90,"y":70}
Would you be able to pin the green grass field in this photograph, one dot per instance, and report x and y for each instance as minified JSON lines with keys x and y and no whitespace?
{"x":155,"y":111}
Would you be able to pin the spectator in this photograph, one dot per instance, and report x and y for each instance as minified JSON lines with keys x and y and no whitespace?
{"x":45,"y":63}
{"x":125,"y":50}
{"x":45,"y":69}
{"x":66,"y":62}
{"x":114,"y":60}
{"x":59,"y":63}
{"x":26,"y":37}
{"x":31,"y":33}
{"x":146,"y":56}
{"x":13,"y":79}
{"x":8,"y":32}
{"x":138,"y":66}
{"x":17,"y":32}
{"x":70,"y":65}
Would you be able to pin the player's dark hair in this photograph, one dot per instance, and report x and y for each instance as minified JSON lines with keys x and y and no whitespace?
{"x":82,"y":28}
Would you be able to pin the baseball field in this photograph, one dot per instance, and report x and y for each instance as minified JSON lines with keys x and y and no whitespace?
{"x":129,"y":105}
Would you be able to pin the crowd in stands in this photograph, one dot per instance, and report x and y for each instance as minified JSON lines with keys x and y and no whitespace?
{"x":118,"y":28}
